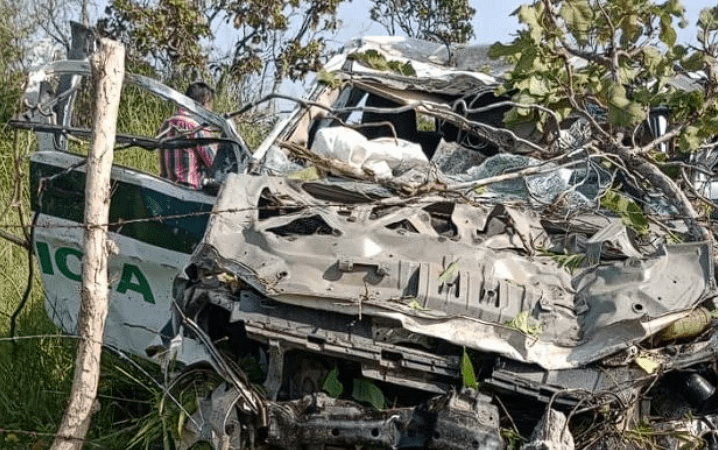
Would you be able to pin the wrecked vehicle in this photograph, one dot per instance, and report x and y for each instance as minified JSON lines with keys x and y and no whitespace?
{"x":394,"y":269}
{"x":393,"y":231}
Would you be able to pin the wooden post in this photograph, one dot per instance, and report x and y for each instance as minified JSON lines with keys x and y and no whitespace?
{"x":108,"y":69}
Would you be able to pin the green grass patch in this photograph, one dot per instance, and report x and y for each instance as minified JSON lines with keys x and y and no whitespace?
{"x":37,"y":370}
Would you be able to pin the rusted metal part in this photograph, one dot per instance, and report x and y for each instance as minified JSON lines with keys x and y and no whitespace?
{"x":454,"y":421}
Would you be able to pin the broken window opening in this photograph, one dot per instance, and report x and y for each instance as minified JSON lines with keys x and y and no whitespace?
{"x":270,"y":206}
{"x":305,"y":226}
{"x":407,"y":125}
{"x":140,"y":114}
{"x":448,"y":144}
{"x":403,"y":225}
{"x":441,"y":219}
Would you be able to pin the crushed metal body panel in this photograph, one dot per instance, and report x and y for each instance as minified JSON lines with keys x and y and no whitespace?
{"x":347,"y":260}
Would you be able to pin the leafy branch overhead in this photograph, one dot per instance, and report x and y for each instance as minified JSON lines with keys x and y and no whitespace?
{"x":275,"y":39}
{"x":613,"y":57}
{"x":286,"y":34}
{"x":611,"y":63}
{"x":629,"y":211}
{"x":169,"y":31}
{"x":449,"y":20}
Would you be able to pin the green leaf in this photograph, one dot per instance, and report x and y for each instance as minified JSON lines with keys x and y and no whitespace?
{"x":468,"y":375}
{"x":627,"y":74}
{"x":651,"y":57}
{"x":678,"y":51}
{"x":647,"y":363}
{"x":629,"y":211}
{"x":329,"y":79}
{"x":415,"y":305}
{"x":689,"y":139}
{"x":376,"y":60}
{"x":450,"y":273}
{"x":616,"y":95}
{"x":578,"y":16}
{"x":331,"y":384}
{"x":405,"y":69}
{"x":537,"y":86}
{"x":618,"y":91}
{"x":628,"y":116}
{"x":631,"y":27}
{"x":529,"y":15}
{"x":540,"y":126}
{"x":708,"y":19}
{"x":499,"y":50}
{"x":512,"y":438}
{"x":365,"y":391}
{"x":370,"y":58}
{"x":621,"y":110}
{"x":526,"y":61}
{"x":674,"y":8}
{"x":524,"y":323}
{"x":568,"y":261}
{"x":180,"y":423}
{"x":668,"y":33}
{"x":308,"y":174}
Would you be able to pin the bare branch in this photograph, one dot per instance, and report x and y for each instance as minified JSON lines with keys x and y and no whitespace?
{"x":562,"y":161}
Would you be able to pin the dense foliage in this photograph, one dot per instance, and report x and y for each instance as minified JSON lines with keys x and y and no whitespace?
{"x":11,"y":54}
{"x":610,"y":63}
{"x":170,"y":31}
{"x":449,"y":20}
{"x":286,"y":36}
{"x":616,"y":59}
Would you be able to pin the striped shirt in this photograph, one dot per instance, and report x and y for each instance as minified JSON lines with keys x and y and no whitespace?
{"x":185,"y":165}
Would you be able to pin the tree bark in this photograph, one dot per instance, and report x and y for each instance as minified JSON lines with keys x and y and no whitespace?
{"x":670,"y":189}
{"x":108,"y":69}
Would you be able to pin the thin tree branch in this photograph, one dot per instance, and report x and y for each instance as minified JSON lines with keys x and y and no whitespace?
{"x":15,"y":240}
{"x":561,"y":161}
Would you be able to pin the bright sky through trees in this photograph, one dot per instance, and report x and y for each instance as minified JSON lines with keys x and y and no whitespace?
{"x":493,"y":21}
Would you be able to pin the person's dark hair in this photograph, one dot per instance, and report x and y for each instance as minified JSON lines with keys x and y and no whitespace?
{"x":200,"y":92}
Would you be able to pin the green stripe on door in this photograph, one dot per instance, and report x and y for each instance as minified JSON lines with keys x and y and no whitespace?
{"x":64,"y":197}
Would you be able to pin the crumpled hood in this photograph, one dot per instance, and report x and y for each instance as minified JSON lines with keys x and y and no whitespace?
{"x":486,"y":287}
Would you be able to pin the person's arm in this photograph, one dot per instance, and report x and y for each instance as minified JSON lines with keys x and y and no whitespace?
{"x":205,"y":152}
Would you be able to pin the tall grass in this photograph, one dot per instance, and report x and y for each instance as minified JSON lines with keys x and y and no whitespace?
{"x":37,"y":369}
{"x":34,"y":371}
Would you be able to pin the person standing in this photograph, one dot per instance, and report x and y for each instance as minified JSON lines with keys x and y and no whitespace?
{"x":186,"y":166}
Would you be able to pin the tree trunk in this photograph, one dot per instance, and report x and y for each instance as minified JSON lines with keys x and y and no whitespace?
{"x":669,"y":188}
{"x":108,"y":70}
